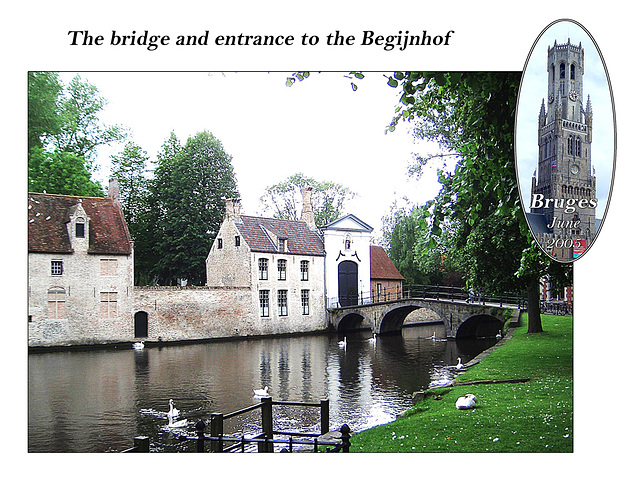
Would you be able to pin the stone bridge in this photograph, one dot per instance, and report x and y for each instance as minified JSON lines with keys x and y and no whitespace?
{"x":461,"y":319}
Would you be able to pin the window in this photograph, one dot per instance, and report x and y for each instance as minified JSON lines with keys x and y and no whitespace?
{"x":264,"y":302}
{"x":282,"y":269}
{"x":562,"y":67}
{"x":219,"y":243}
{"x":80,"y":227}
{"x":108,"y":304}
{"x":573,"y":72}
{"x":304,"y":270}
{"x":263,"y":269}
{"x":237,"y":240}
{"x":56,"y":267}
{"x":56,"y":299}
{"x":282,"y":303}
{"x":304,"y":296}
{"x":108,"y":267}
{"x":578,"y":147}
{"x":282,"y":244}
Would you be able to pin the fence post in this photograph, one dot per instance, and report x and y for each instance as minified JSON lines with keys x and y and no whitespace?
{"x":141,"y":444}
{"x":324,"y":416}
{"x":345,"y":431}
{"x":217,"y":431}
{"x":200,"y":432}
{"x":267,"y":423}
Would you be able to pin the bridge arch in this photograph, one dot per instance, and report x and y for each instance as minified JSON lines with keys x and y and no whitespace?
{"x":353,"y":321}
{"x":393,"y":319}
{"x":480,"y":326}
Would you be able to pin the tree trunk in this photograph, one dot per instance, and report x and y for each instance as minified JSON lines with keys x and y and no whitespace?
{"x":533,"y":310}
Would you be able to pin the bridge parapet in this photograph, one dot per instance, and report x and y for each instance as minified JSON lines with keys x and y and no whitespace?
{"x":478,"y":318}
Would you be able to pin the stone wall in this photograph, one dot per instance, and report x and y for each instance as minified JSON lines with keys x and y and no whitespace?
{"x":200,"y":313}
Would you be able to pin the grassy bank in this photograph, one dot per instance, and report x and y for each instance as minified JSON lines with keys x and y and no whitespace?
{"x":529,"y":408}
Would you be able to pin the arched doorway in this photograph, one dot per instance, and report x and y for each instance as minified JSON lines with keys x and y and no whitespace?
{"x":141,"y":324}
{"x":348,"y":283}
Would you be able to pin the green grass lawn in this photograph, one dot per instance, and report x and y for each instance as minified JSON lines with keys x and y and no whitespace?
{"x":534,"y":415}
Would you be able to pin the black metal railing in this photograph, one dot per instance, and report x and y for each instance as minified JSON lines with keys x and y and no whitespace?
{"x":426,"y":292}
{"x":265,"y":440}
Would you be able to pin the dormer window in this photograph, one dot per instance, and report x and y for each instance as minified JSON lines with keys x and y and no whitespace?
{"x":80,"y":227}
{"x":282,"y":244}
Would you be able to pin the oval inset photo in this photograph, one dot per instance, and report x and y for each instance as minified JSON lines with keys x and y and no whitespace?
{"x":565,"y":140}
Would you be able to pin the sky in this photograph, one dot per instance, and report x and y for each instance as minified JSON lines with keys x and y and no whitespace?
{"x":534,"y":90}
{"x":320,"y":127}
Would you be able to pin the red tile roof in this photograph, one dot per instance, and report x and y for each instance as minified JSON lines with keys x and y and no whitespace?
{"x":49,"y":215}
{"x":301,"y":240}
{"x":381,"y":266}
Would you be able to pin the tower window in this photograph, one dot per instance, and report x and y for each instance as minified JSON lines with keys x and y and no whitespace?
{"x":573,"y":72}
{"x":562,"y":73}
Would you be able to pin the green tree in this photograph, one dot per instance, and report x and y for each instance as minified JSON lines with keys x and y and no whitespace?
{"x":187,"y":198}
{"x":81,"y":131}
{"x":44,"y":89}
{"x":61,"y":173}
{"x":471,"y":114}
{"x":284,"y":200}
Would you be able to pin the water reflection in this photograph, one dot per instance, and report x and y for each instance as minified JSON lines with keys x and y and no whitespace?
{"x":99,"y":400}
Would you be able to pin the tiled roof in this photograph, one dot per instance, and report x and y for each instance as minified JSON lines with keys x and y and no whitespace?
{"x":381,"y":266}
{"x":301,"y":240}
{"x":49,"y":215}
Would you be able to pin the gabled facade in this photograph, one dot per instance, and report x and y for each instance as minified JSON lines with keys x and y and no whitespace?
{"x":347,"y":244}
{"x":80,"y":258}
{"x":280,"y":261}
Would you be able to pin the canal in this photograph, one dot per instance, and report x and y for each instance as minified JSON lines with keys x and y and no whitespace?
{"x":99,"y":400}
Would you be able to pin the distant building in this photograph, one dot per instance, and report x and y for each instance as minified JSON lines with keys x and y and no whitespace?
{"x":563,"y":187}
{"x":80,"y":259}
{"x":386,"y":281}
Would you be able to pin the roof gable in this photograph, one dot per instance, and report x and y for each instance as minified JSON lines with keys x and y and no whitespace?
{"x":349,"y":223}
{"x":382,"y":268}
{"x":259,"y":233}
{"x":49,"y":215}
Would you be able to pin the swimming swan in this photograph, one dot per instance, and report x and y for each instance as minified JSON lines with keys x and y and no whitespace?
{"x":261,"y":392}
{"x":460,"y":365}
{"x":343,"y":343}
{"x":466,"y":402}
{"x":173,"y":412}
{"x":178,"y":424}
{"x":138,"y":345}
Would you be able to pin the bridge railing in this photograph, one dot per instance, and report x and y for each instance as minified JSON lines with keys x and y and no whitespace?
{"x":429,"y":292}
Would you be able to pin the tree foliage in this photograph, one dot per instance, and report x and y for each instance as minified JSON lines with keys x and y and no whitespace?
{"x":187,"y":201}
{"x":284,"y":200}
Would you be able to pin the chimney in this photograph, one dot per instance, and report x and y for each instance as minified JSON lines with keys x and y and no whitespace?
{"x":114,"y":190}
{"x":307,"y":210}
{"x":232,"y":208}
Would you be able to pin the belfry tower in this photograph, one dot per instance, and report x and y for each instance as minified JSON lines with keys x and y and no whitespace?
{"x":563,"y":188}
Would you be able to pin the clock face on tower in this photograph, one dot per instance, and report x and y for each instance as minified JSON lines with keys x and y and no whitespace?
{"x":550,"y":98}
{"x":575,"y":169}
{"x":573,"y":95}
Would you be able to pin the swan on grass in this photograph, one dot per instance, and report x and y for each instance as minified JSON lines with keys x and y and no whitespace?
{"x":138,"y":345}
{"x":261,"y":392}
{"x":466,"y":402}
{"x":173,"y":411}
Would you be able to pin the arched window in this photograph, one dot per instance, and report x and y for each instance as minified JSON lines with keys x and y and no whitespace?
{"x":578,"y":147}
{"x":573,"y":72}
{"x":570,"y":145}
{"x":562,"y":71}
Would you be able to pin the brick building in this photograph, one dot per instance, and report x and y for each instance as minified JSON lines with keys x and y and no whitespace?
{"x":386,"y":281}
{"x":80,"y":259}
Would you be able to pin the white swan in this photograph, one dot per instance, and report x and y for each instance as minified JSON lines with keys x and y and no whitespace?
{"x":466,"y":402}
{"x":498,"y":336}
{"x":178,"y":424}
{"x":433,"y":337}
{"x":138,"y":345}
{"x":173,"y":412}
{"x":460,"y":365}
{"x":261,"y":392}
{"x":343,"y":343}
{"x":373,"y":339}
